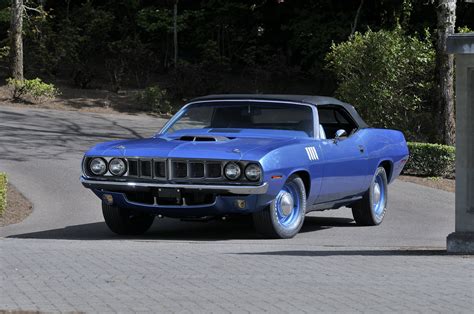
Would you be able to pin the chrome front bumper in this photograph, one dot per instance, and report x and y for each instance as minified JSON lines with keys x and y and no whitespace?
{"x":232,"y":189}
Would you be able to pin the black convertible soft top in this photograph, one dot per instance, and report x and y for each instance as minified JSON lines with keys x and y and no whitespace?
{"x":307,"y":99}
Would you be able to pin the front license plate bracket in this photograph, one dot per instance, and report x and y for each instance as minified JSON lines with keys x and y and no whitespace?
{"x":168,"y":193}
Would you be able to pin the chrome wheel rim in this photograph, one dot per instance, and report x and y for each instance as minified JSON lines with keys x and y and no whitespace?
{"x":378,"y":196}
{"x":288,"y":207}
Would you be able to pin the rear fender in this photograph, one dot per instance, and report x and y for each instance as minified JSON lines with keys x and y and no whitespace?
{"x":385,"y":146}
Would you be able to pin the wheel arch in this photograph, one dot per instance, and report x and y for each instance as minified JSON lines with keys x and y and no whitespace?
{"x":388,"y":166}
{"x":306,"y":177}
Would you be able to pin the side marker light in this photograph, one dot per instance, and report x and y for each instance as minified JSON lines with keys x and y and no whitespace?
{"x":240,"y":204}
{"x":108,"y":199}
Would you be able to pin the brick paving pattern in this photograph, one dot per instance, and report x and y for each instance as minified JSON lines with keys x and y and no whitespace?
{"x":229,"y":276}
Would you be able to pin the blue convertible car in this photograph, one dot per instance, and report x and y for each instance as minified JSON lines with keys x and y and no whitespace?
{"x":276,"y":157}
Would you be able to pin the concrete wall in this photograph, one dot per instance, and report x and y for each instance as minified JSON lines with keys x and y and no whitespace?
{"x":462,"y":240}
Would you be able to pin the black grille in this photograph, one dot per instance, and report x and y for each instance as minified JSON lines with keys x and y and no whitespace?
{"x":180,"y":169}
{"x":214,"y":170}
{"x":145,"y":168}
{"x":133,"y":168}
{"x":196,"y":169}
{"x":160,"y":169}
{"x":166,"y":169}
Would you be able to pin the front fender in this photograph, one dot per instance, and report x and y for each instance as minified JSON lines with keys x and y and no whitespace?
{"x":279,"y":164}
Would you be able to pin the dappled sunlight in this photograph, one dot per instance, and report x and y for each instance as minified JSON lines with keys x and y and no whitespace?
{"x":24,"y":133}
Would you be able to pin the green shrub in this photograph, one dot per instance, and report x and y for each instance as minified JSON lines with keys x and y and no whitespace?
{"x":155,"y":99}
{"x":35,"y":88}
{"x":4,"y":53}
{"x":389,"y":77}
{"x":3,"y":192}
{"x":464,"y":29}
{"x":431,"y":160}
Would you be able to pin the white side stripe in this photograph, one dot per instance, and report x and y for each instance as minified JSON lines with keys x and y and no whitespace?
{"x":316,"y":153}
{"x":312,"y":153}
{"x":316,"y":157}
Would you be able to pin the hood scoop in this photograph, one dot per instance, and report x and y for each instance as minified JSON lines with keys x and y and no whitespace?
{"x":192,"y":138}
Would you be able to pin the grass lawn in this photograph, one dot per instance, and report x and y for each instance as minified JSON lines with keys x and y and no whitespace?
{"x":3,"y":192}
{"x":14,"y":207}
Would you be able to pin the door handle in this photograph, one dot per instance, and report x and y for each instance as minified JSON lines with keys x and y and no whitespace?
{"x":361,"y":148}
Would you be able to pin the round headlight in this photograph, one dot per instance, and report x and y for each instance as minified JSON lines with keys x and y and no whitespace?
{"x":117,"y":167}
{"x":98,"y":166}
{"x":232,"y":171}
{"x":253,"y":172}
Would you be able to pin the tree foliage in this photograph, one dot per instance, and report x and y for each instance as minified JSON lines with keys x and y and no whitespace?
{"x":388,"y":76}
{"x":224,"y":45}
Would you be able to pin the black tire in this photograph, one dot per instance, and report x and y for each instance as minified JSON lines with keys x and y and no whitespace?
{"x":267,"y":223}
{"x":124,"y":221}
{"x":364,"y":211}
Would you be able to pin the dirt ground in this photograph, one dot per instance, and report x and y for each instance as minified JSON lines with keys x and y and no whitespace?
{"x":18,"y":207}
{"x":437,"y":183}
{"x":90,"y":100}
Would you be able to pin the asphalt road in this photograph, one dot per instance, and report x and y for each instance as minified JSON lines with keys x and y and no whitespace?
{"x":41,"y":151}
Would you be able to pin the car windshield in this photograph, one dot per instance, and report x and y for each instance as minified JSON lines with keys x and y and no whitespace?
{"x":244,"y":115}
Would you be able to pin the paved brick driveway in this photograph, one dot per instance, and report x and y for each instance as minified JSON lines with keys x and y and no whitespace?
{"x":229,"y":276}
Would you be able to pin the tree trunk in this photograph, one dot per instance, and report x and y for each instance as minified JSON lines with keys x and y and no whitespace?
{"x":16,"y":39}
{"x":356,"y":19}
{"x":175,"y":32}
{"x":446,"y":11}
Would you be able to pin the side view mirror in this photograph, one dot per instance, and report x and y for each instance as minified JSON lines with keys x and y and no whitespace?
{"x":340,"y":134}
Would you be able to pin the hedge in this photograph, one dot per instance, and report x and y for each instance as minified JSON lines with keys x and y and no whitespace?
{"x":431,"y":160}
{"x":3,"y":192}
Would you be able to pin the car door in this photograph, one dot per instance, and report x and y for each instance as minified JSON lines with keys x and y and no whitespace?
{"x":345,"y":162}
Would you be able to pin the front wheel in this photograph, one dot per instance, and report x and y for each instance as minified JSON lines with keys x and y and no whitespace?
{"x":284,"y":217}
{"x":124,"y":221}
{"x":371,"y":209}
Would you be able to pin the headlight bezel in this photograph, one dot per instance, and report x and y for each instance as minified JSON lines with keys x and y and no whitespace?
{"x":259,"y":169}
{"x":101,"y":173}
{"x":238,"y":167}
{"x":124,"y":169}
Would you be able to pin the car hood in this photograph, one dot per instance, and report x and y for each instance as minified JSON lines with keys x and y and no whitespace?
{"x":238,"y":148}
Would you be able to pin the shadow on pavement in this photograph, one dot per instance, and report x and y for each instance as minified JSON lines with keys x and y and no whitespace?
{"x":55,"y":134}
{"x":374,"y":252}
{"x":240,"y":227}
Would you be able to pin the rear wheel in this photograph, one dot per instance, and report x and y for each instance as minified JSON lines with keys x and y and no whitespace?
{"x":284,"y":217}
{"x":124,"y":221}
{"x":371,"y":210}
